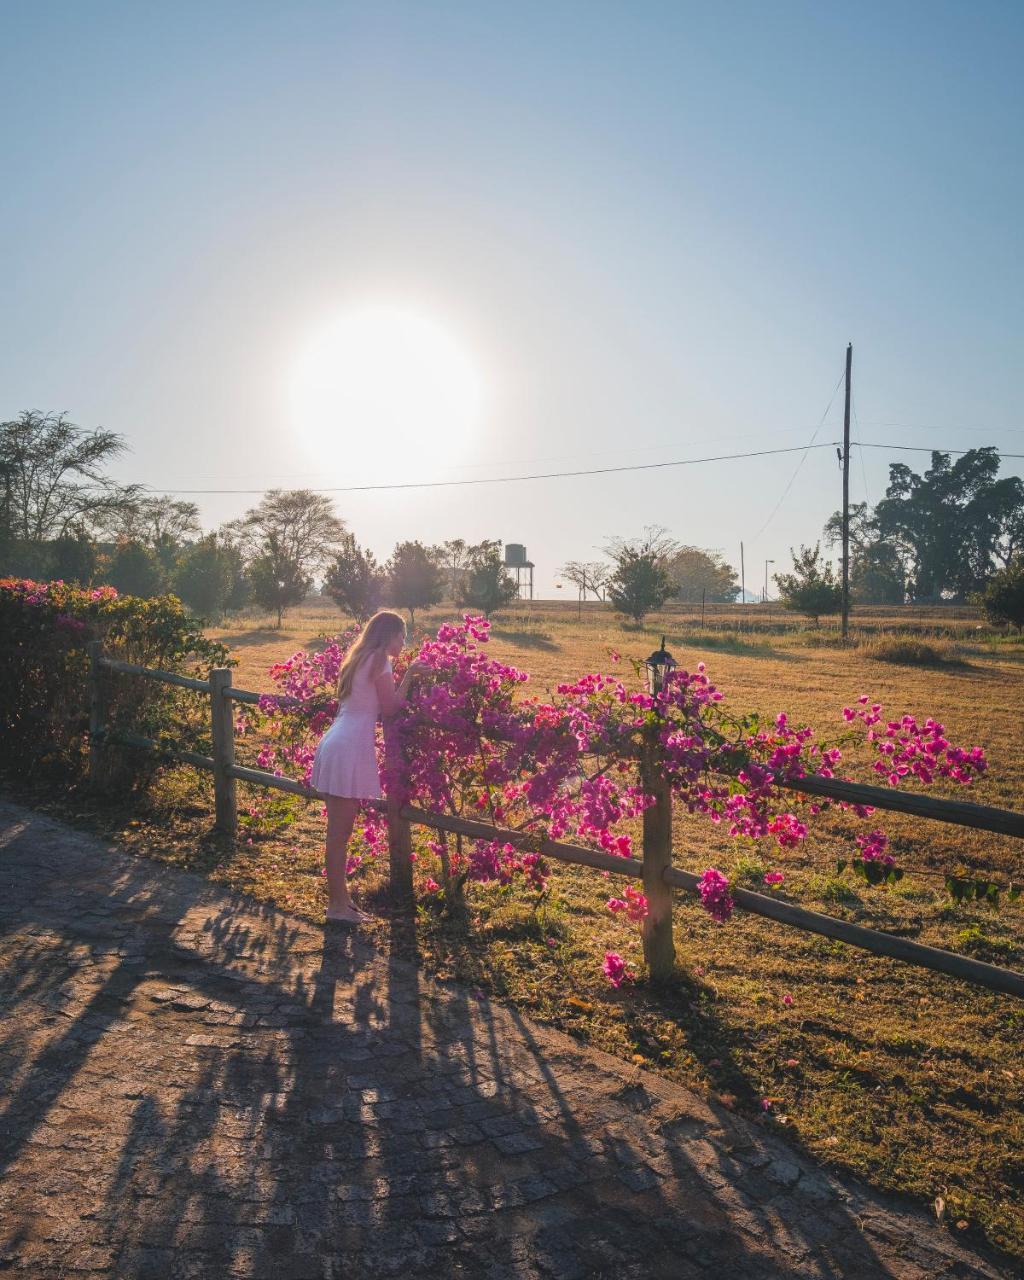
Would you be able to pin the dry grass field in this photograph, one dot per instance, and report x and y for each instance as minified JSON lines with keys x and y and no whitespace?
{"x":909,"y":1079}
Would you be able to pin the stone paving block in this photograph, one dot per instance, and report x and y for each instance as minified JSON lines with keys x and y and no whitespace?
{"x":515,"y":1144}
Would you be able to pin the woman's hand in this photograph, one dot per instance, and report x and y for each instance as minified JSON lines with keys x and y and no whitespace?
{"x":418,"y":668}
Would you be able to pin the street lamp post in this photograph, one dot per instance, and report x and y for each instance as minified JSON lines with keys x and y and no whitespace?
{"x":660,"y":666}
{"x":764,"y":597}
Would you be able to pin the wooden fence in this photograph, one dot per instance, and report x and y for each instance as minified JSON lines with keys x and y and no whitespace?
{"x":659,"y":876}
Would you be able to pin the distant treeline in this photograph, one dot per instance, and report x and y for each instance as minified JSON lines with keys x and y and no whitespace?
{"x":955,"y":533}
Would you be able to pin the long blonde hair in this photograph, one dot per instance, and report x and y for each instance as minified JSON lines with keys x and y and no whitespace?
{"x":377,"y":635}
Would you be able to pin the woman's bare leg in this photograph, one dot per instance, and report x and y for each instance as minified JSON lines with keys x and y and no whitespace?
{"x":341,"y":817}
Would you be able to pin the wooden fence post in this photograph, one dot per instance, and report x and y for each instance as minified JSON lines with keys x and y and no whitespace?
{"x":222,"y":726}
{"x":659,"y":948}
{"x":399,"y":829}
{"x":97,"y":710}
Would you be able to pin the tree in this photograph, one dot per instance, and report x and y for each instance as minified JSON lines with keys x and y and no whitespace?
{"x":640,"y":581}
{"x":698,"y":574}
{"x":73,"y":558}
{"x":415,"y":580}
{"x":950,"y":523}
{"x":53,"y":477}
{"x":208,"y":577}
{"x":277,"y":580}
{"x":135,"y":570}
{"x":587,"y":575}
{"x":878,"y":573}
{"x":354,"y":580}
{"x":285,"y":540}
{"x":486,"y":583}
{"x":811,"y":588}
{"x":454,"y":555}
{"x":166,"y":524}
{"x":303,"y":524}
{"x":1003,"y":597}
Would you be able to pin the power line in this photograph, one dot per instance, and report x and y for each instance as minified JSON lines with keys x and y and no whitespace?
{"x":594,"y":471}
{"x":928,"y":448}
{"x":863,"y":469}
{"x":810,"y":445}
{"x":546,"y":475}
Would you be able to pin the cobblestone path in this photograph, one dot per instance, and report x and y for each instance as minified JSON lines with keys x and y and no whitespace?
{"x":193,"y":1085}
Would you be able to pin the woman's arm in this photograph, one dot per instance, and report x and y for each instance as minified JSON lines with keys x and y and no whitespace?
{"x":392,"y":699}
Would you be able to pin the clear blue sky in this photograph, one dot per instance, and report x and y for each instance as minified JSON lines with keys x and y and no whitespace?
{"x":651,"y":227}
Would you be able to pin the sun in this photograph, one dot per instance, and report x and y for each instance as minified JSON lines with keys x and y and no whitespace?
{"x":380,"y":386}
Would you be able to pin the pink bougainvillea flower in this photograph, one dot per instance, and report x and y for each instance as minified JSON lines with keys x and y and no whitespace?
{"x":634,"y":905}
{"x":714,"y":895}
{"x":774,"y":878}
{"x":614,"y":968}
{"x":787,"y":1000}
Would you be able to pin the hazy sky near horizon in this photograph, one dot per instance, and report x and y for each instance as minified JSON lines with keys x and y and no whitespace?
{"x":648,"y":229}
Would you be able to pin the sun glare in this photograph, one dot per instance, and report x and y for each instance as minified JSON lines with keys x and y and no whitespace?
{"x":381,"y":384}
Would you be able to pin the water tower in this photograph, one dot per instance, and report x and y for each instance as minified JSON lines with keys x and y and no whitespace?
{"x":515,"y":558}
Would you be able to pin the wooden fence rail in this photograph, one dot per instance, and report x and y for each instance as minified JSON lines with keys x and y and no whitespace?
{"x":656,"y":870}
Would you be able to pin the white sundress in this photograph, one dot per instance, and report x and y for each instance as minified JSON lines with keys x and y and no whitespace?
{"x":345,"y":763}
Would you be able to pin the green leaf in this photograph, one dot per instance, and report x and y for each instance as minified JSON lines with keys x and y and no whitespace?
{"x":958,"y":888}
{"x":841,"y":866}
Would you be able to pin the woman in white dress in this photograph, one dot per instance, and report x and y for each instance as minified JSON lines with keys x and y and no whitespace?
{"x":345,"y":765}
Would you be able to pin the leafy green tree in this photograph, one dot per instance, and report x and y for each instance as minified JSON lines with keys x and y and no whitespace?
{"x":207,"y":577}
{"x":640,"y":581}
{"x":135,"y":570}
{"x":950,"y":523}
{"x":290,"y":536}
{"x":73,"y":558}
{"x":698,"y":573}
{"x":487,"y":584}
{"x":53,"y":477}
{"x":277,"y":580}
{"x":355,"y":582}
{"x":415,"y":578}
{"x":305,"y":530}
{"x":878,"y":573}
{"x":812,"y":588}
{"x":454,"y":556}
{"x":166,"y":524}
{"x":1003,"y":597}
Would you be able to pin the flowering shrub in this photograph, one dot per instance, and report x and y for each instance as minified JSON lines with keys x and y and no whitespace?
{"x":472,"y":741}
{"x":44,"y":708}
{"x":614,"y":968}
{"x":633,"y":906}
{"x":713,"y":888}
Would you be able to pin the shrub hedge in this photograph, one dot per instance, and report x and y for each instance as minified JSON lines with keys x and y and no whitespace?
{"x":45,"y":628}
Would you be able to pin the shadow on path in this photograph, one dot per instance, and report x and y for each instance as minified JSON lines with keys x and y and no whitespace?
{"x":196,"y":1085}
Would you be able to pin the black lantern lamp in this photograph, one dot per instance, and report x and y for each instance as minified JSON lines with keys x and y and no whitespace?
{"x":659,"y":665}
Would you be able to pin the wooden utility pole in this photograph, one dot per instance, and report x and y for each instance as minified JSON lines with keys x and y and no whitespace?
{"x":743,"y":578}
{"x":846,"y":496}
